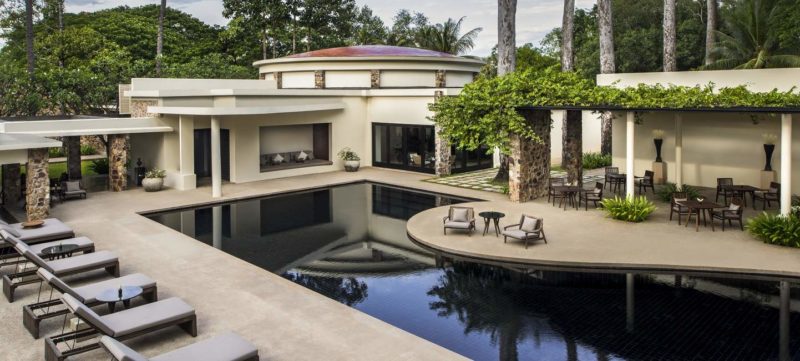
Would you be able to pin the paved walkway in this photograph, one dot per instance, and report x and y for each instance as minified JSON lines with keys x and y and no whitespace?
{"x":483,"y":179}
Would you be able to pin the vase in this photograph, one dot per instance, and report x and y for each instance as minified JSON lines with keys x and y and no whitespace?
{"x":769,"y":149}
{"x":659,"y":143}
{"x":152,"y":184}
{"x":351,"y":165}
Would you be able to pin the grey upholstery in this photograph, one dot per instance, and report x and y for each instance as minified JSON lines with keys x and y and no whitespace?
{"x":128,"y":321}
{"x":518,"y":234}
{"x":457,"y":225}
{"x":87,"y":294}
{"x":528,"y":229}
{"x":461,"y":218}
{"x":227,"y":346}
{"x":83,"y":243}
{"x":53,"y":229}
{"x":69,"y":265}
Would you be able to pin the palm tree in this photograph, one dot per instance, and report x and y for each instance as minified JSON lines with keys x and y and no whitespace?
{"x":447,"y":38}
{"x":160,"y":40}
{"x":572,"y":125}
{"x":607,"y":63}
{"x":669,"y":36}
{"x":711,"y":29}
{"x":750,"y":42}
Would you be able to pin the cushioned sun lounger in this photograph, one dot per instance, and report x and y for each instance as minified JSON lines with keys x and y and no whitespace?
{"x":32,"y":315}
{"x":60,"y":267}
{"x":85,"y":245}
{"x":224,"y":347}
{"x":51,"y":230}
{"x":121,"y":325}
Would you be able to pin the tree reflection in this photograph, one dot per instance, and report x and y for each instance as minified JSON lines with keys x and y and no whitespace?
{"x":348,"y":290}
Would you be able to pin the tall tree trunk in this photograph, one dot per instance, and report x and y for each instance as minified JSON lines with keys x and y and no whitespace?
{"x":572,"y":124}
{"x":711,"y":28}
{"x":567,"y":35}
{"x":506,"y":57}
{"x":73,"y":148}
{"x":607,"y":64}
{"x":670,"y":35}
{"x":160,"y":40}
{"x":29,"y":40}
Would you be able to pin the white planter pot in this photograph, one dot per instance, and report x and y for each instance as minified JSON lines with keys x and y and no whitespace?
{"x":152,"y":184}
{"x":351,"y":165}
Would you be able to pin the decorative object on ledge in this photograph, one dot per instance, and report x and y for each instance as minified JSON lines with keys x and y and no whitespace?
{"x":139,"y":171}
{"x":154,"y":180}
{"x":350,"y":158}
{"x":769,"y":148}
{"x":658,"y":139}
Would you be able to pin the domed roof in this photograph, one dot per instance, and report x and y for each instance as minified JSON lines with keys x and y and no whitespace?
{"x":372,"y":50}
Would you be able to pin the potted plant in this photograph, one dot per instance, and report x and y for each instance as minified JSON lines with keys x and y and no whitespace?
{"x":658,"y":139}
{"x":154,"y":180}
{"x":350,"y":158}
{"x":769,"y":148}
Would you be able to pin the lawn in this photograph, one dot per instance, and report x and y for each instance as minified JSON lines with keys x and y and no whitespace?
{"x":56,"y":169}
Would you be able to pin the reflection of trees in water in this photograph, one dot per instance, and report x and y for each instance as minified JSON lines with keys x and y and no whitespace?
{"x":348,"y":290}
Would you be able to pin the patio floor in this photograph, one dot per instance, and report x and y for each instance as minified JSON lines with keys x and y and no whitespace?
{"x":482,"y":179}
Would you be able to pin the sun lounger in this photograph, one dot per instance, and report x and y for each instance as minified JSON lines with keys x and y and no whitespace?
{"x":121,"y":325}
{"x":51,"y":230}
{"x":33,"y":314}
{"x":224,"y":347}
{"x":60,"y":267}
{"x":85,"y":245}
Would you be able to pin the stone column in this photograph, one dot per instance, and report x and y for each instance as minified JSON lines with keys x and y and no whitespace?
{"x":443,"y":154}
{"x":375,"y":79}
{"x":12,"y":187}
{"x":529,"y":162}
{"x":573,"y":146}
{"x":73,"y":148}
{"x":441,"y":79}
{"x":37,"y":199}
{"x":319,"y":79}
{"x":117,"y":158}
{"x":279,"y":79}
{"x":139,"y":108}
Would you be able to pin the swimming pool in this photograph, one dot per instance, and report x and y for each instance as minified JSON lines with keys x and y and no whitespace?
{"x":349,"y":243}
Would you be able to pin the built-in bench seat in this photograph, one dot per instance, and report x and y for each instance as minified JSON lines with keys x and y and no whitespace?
{"x":290,"y":160}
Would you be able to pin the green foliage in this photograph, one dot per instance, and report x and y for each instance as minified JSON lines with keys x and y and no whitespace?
{"x":56,"y":152}
{"x":447,"y":37}
{"x":348,"y":154}
{"x":99,"y":166}
{"x":630,"y":210}
{"x":776,"y":229}
{"x":664,"y":193}
{"x":87,"y":149}
{"x":528,"y":57}
{"x":594,"y":160}
{"x":156,"y":173}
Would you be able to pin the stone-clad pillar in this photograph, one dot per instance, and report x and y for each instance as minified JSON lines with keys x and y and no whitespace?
{"x":139,"y":108}
{"x":11,"y":184}
{"x":37,"y":199}
{"x":529,"y":163}
{"x":441,"y":79}
{"x":319,"y":79}
{"x":279,"y":79}
{"x":375,"y":79}
{"x":117,"y":158}
{"x":443,"y":154}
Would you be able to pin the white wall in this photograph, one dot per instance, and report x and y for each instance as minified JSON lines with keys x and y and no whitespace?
{"x":298,"y":80}
{"x":761,"y":80}
{"x":591,"y":134}
{"x":348,"y":79}
{"x":408,"y":78}
{"x":286,"y":138}
{"x":458,"y":78}
{"x":400,"y":110}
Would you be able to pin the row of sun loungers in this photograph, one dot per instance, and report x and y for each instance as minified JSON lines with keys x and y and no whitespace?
{"x":24,"y":248}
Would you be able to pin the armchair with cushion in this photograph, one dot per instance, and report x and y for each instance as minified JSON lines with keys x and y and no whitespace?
{"x":732,"y":213}
{"x":773,"y":194}
{"x":551,"y":193}
{"x":462,"y":218}
{"x":608,"y":172}
{"x":647,"y":182}
{"x":674,"y":207}
{"x":722,"y":184}
{"x":592,"y":195}
{"x":529,"y":229}
{"x":72,"y":189}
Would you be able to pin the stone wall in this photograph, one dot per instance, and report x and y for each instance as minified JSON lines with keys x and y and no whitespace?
{"x":12,"y":185}
{"x":443,"y":154}
{"x":441,"y":79}
{"x":319,"y":79}
{"x":117,"y":157}
{"x":529,"y":162}
{"x":139,"y":108}
{"x":37,"y":184}
{"x":375,"y":79}
{"x":572,"y":160}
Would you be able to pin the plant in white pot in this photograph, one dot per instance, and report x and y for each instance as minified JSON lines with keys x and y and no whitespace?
{"x":154,"y":180}
{"x":350,"y":158}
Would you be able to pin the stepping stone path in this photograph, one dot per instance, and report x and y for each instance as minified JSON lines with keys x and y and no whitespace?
{"x":482,"y":179}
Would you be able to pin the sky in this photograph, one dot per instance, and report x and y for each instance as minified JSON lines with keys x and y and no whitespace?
{"x":535,"y":18}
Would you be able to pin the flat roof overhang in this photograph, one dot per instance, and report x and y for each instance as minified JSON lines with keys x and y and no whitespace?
{"x":90,"y":126}
{"x":603,"y":108}
{"x":26,"y":141}
{"x":222,"y":111}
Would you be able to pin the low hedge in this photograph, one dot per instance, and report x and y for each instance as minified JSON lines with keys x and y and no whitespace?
{"x":636,"y":209}
{"x":776,"y":229}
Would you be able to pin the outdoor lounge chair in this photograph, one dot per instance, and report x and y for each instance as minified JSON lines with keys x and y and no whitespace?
{"x":647,"y":182}
{"x":72,"y":189}
{"x":33,"y":314}
{"x":52,"y":230}
{"x":85,"y":245}
{"x":227,"y":346}
{"x":674,"y":207}
{"x":462,"y":218}
{"x":722,"y":183}
{"x":122,"y":325}
{"x":591,"y":195}
{"x":60,"y":267}
{"x":773,"y":194}
{"x":529,"y":229}
{"x":734,"y":212}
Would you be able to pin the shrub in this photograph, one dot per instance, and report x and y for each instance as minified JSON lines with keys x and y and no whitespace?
{"x":628,"y":209}
{"x":99,"y":166}
{"x":776,"y":229}
{"x":156,"y":173}
{"x":56,"y":152}
{"x":88,"y":150}
{"x":594,"y":160}
{"x":665,"y":192}
{"x":348,"y":154}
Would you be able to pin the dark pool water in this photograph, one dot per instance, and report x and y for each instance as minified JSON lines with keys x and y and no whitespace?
{"x":349,"y":244}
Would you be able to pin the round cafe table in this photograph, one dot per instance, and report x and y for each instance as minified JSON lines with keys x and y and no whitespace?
{"x":491,"y":216}
{"x":59,"y":251}
{"x":123,"y":294}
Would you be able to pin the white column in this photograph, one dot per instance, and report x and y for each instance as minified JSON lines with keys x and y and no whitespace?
{"x":216,"y":159}
{"x":786,"y":164}
{"x":216,"y":231}
{"x":629,"y":170}
{"x":630,"y":312}
{"x":188,"y":179}
{"x":678,"y":149}
{"x":784,"y":313}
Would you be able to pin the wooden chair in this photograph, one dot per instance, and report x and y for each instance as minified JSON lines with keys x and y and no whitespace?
{"x":734,"y":212}
{"x":647,"y":182}
{"x":674,"y":207}
{"x":609,"y":171}
{"x":552,"y":195}
{"x":721,"y":190}
{"x":768,"y":196}
{"x":529,"y":229}
{"x":462,"y":218}
{"x":592,"y":195}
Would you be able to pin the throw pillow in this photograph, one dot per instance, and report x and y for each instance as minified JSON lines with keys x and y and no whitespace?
{"x":734,"y":207}
{"x":302,"y":156}
{"x":277,"y":159}
{"x":460,"y":215}
{"x":73,"y":186}
{"x":529,"y":224}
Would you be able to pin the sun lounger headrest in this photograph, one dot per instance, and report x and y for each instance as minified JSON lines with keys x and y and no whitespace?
{"x":86,"y":314}
{"x":57,"y":283}
{"x":119,"y":350}
{"x":8,"y":237}
{"x":10,"y":230}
